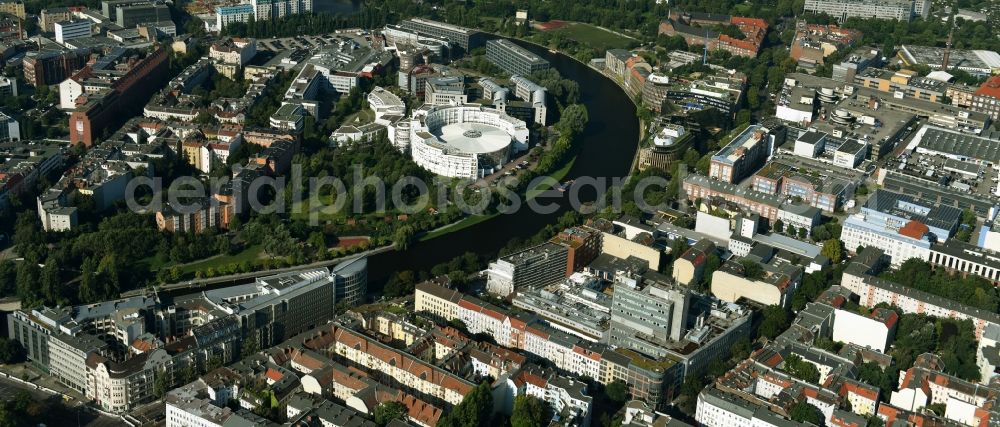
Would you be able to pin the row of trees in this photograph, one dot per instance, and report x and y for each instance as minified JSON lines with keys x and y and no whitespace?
{"x":969,"y":290}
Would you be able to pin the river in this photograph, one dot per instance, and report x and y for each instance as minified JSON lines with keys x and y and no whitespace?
{"x":607,"y":148}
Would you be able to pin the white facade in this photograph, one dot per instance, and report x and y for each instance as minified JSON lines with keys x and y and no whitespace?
{"x":68,"y":30}
{"x":383,"y":102}
{"x":861,"y":230}
{"x":864,"y":331}
{"x":225,"y":15}
{"x":445,"y":158}
{"x":902,"y":10}
{"x":10,"y":130}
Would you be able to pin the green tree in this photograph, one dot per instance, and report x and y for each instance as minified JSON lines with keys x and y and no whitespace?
{"x":617,"y":391}
{"x":475,"y":409}
{"x":833,"y":249}
{"x":805,"y":413}
{"x":775,"y":321}
{"x":779,"y":226}
{"x":798,"y":368}
{"x":574,"y":118}
{"x":388,"y":411}
{"x":529,"y":411}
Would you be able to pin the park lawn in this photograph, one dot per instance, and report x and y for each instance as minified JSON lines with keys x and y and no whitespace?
{"x":466,"y":222}
{"x":558,"y":175}
{"x":592,"y":36}
{"x":471,"y":220}
{"x":359,"y":118}
{"x":300,"y":210}
{"x":249,"y":255}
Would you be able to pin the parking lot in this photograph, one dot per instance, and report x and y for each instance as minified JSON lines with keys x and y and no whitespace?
{"x":310,"y":42}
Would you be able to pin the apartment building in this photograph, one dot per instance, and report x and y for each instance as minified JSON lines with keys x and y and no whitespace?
{"x":743,"y":154}
{"x":901,"y":10}
{"x":859,"y":277}
{"x":773,"y":284}
{"x":13,"y":7}
{"x":225,"y":15}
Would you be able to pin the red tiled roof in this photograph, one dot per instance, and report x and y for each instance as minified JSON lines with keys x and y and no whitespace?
{"x":914,"y":230}
{"x":990,"y":88}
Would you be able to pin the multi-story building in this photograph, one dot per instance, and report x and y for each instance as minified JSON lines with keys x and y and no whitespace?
{"x":225,"y":15}
{"x":583,"y":244}
{"x":52,"y":67}
{"x":813,"y":43}
{"x":68,"y":358}
{"x":234,"y":51}
{"x":350,"y":281}
{"x":13,"y":7}
{"x":534,"y":267}
{"x":900,"y":225}
{"x":129,"y":13}
{"x":647,"y":318}
{"x":274,"y":9}
{"x":905,"y":82}
{"x":856,"y":62}
{"x":8,"y":86}
{"x":445,"y":91}
{"x":818,"y":185}
{"x":10,"y":130}
{"x":773,"y":283}
{"x":514,"y":59}
{"x":191,"y":219}
{"x":127,"y":92}
{"x":697,"y":29}
{"x":702,"y":187}
{"x":48,"y":18}
{"x":68,"y":30}
{"x":465,"y":37}
{"x":902,"y":10}
{"x":743,"y":154}
{"x":860,"y":278}
{"x":985,"y":99}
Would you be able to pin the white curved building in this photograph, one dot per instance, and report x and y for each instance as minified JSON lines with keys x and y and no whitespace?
{"x":382,"y":102}
{"x":465,"y":141}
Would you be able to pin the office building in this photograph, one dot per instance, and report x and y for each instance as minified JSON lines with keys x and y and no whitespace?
{"x":900,"y":225}
{"x":126,"y":93}
{"x":902,"y":10}
{"x":464,"y":141}
{"x":647,"y":317}
{"x":856,"y":62}
{"x":52,"y":67}
{"x":902,"y":83}
{"x":443,"y":91}
{"x":534,"y":267}
{"x":67,"y":30}
{"x":466,"y":38}
{"x":350,"y":281}
{"x":10,"y":130}
{"x":513,"y":59}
